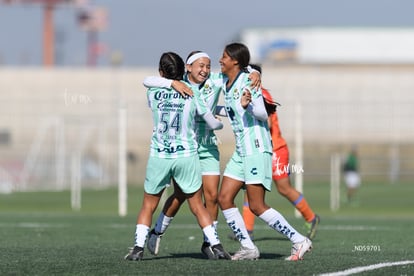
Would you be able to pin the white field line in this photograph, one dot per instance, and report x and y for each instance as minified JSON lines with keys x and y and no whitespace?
{"x":33,"y":225}
{"x":366,"y":268}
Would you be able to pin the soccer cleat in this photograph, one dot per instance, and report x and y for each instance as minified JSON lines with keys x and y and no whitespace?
{"x":153,"y":244}
{"x":312,"y":227}
{"x":299,"y":249}
{"x":135,"y":254}
{"x":220,"y":253}
{"x":208,"y":251}
{"x":245,"y":253}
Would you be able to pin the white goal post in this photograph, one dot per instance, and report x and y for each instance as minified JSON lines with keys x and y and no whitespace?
{"x":298,"y":152}
{"x":335,"y":184}
{"x":122,"y":173}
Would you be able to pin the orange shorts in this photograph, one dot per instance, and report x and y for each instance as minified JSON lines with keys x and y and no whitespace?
{"x":280,"y":163}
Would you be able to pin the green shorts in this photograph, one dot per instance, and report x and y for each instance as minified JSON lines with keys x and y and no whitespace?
{"x":185,"y":170}
{"x":252,"y":169}
{"x":209,"y":160}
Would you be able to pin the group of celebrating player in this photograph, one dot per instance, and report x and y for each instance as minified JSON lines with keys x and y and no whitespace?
{"x":184,"y":151}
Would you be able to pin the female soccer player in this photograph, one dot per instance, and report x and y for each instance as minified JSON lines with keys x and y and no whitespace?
{"x":280,"y":169}
{"x":251,"y":163}
{"x":198,"y":76}
{"x":173,"y":155}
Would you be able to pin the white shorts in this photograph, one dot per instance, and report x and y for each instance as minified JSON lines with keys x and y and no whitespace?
{"x":352,"y":179}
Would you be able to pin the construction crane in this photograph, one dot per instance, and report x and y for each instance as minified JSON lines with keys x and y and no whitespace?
{"x":48,"y":26}
{"x":90,"y":20}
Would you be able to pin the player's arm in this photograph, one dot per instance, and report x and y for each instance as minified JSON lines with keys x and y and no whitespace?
{"x":254,"y":106}
{"x":204,"y":111}
{"x":221,"y":111}
{"x":156,"y":81}
{"x":255,"y":77}
{"x":180,"y":87}
{"x":211,"y":121}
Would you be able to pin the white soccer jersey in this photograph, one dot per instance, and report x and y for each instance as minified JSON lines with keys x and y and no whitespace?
{"x":252,"y":135}
{"x":210,"y":93}
{"x":174,"y":119}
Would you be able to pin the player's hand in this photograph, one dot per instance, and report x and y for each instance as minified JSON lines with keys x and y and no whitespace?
{"x":182,"y":88}
{"x":246,"y":98}
{"x":256,"y":80}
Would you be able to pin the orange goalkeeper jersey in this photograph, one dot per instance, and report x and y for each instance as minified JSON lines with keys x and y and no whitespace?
{"x":277,"y":139}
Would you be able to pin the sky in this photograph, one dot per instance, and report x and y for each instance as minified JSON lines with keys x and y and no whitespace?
{"x":143,"y":29}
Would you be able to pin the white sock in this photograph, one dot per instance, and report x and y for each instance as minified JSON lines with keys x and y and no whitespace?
{"x":276,"y":221}
{"x":211,"y":234}
{"x":215,"y":227}
{"x":162,"y":223}
{"x":141,"y":232}
{"x":236,"y":223}
{"x":215,"y":224}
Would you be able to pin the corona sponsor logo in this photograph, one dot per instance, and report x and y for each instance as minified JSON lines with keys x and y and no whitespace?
{"x":168,"y":95}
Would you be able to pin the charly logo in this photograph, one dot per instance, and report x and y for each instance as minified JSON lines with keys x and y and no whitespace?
{"x":253,"y":171}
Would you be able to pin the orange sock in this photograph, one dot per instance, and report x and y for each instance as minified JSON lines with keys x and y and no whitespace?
{"x":303,"y":207}
{"x":248,"y":217}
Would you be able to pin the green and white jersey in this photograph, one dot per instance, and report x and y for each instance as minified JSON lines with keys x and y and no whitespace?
{"x":252,"y":135}
{"x":210,"y":93}
{"x":173,"y":134}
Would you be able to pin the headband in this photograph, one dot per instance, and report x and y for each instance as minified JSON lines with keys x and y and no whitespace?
{"x":194,"y":57}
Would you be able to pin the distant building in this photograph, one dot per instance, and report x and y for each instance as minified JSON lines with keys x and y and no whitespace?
{"x":330,"y":45}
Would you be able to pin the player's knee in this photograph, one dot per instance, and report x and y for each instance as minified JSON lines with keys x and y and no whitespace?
{"x":224,"y":201}
{"x":257,"y":210}
{"x":211,"y":197}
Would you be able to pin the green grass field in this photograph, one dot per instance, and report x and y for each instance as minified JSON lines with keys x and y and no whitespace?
{"x":41,"y":235}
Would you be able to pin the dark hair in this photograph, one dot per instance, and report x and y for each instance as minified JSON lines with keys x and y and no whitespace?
{"x":256,"y":67}
{"x":239,"y":52}
{"x":271,"y":107}
{"x":172,"y":66}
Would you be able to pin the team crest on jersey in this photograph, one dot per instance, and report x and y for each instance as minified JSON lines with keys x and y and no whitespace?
{"x":236,"y":94}
{"x":207,"y":89}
